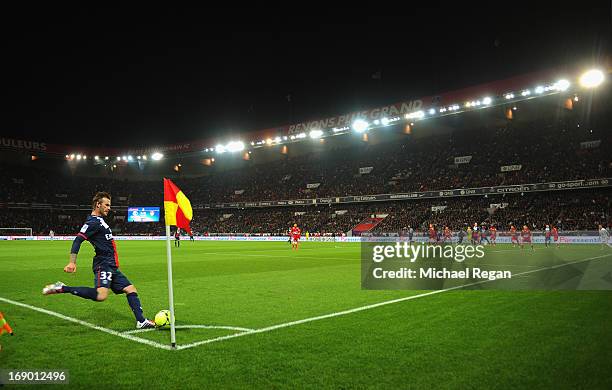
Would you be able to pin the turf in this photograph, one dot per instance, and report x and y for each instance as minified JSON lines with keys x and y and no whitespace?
{"x":454,"y":339}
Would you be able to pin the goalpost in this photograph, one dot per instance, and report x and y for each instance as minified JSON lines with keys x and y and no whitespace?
{"x":13,"y":231}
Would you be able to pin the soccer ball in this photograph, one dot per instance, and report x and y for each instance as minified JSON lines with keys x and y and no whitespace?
{"x":162,"y":319}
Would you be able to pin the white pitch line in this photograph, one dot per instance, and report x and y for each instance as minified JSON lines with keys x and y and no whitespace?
{"x":362,"y":308}
{"x":193,"y":327}
{"x":87,"y":324}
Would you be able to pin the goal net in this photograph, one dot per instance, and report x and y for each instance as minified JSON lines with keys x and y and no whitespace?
{"x":13,"y":231}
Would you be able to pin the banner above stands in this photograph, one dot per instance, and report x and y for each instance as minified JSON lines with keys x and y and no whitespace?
{"x":397,"y":109}
{"x":511,"y":189}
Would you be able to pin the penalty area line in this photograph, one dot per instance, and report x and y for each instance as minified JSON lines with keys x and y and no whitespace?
{"x":88,"y":325}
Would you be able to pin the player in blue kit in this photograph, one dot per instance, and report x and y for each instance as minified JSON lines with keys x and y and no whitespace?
{"x":105,"y":263}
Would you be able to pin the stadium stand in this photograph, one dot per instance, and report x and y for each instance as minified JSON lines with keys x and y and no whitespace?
{"x":541,"y":149}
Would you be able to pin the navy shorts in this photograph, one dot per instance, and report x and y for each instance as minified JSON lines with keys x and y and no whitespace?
{"x":110,"y":277}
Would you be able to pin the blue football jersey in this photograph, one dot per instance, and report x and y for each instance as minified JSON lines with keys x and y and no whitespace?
{"x":98,"y":233}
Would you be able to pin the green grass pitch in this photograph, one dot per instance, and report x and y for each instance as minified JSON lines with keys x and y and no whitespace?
{"x":454,"y":339}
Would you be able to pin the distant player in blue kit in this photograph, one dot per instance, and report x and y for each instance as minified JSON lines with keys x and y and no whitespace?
{"x":105,"y":263}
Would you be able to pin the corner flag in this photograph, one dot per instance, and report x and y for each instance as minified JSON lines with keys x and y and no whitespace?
{"x":177,"y":208}
{"x":177,"y":212}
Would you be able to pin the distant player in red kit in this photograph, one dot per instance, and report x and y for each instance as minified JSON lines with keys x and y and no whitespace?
{"x":555,"y":234}
{"x":526,"y":237}
{"x":295,"y":236}
{"x":448,"y":235}
{"x":547,"y":236}
{"x":432,"y":234}
{"x":514,"y":236}
{"x":493,"y":235}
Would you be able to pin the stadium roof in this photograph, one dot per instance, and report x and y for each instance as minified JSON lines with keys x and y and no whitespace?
{"x":174,"y":79}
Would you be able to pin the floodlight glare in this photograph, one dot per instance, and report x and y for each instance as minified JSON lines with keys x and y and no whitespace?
{"x":314,"y":134}
{"x":220,"y":149}
{"x":592,"y":78}
{"x":432,"y":111}
{"x":487,"y":100}
{"x":385,"y":121}
{"x":157,"y":156}
{"x":235,"y":146}
{"x":360,"y":125}
{"x":562,"y":85}
{"x":539,"y":89}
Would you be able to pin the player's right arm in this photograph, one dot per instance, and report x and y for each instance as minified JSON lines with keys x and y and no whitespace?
{"x":88,"y":230}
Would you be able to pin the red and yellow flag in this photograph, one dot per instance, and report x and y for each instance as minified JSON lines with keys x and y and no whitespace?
{"x":177,"y":208}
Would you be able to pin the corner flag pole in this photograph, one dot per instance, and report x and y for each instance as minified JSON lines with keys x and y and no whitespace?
{"x":170,"y":291}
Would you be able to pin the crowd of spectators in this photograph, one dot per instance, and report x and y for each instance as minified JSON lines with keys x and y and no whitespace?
{"x":568,"y":210}
{"x":545,"y":151}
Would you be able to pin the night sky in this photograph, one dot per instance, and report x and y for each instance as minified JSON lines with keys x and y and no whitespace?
{"x":98,"y":79}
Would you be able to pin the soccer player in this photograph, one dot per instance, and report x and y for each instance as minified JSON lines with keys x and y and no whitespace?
{"x":469,"y":234}
{"x":177,"y":238}
{"x":555,"y":234}
{"x":475,"y":235}
{"x":410,"y":235}
{"x":448,"y":235}
{"x":191,"y":236}
{"x":526,"y":237}
{"x":547,"y":236}
{"x":493,"y":235}
{"x":513,"y":236}
{"x":483,"y":234}
{"x":105,"y":263}
{"x":295,"y":236}
{"x":432,"y":235}
{"x":460,"y":236}
{"x":604,"y":236}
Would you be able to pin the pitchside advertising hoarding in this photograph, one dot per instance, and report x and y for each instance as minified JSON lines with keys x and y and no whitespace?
{"x":587,"y":239}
